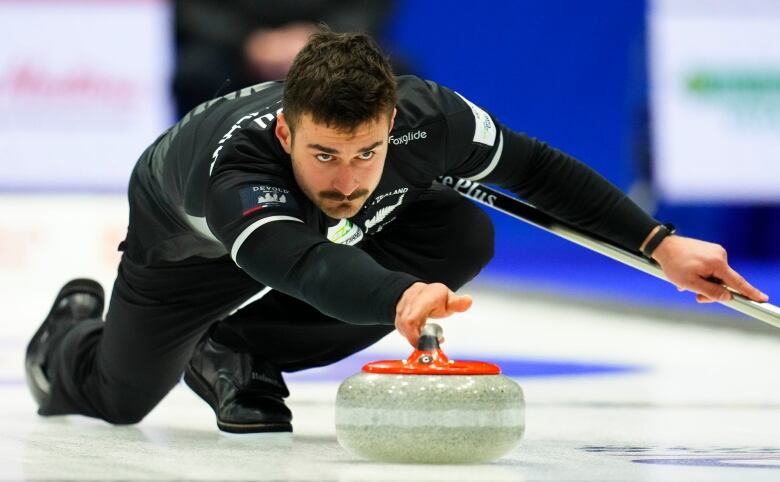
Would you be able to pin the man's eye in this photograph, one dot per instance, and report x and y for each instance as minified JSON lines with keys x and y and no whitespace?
{"x":324,"y":157}
{"x":366,"y":155}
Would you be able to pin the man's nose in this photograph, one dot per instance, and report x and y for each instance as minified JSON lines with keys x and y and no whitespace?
{"x":345,"y":181}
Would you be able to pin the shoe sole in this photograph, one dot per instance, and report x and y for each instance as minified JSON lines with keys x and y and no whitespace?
{"x":36,"y":379}
{"x":81,"y":285}
{"x":72,"y":287}
{"x":204,"y":391}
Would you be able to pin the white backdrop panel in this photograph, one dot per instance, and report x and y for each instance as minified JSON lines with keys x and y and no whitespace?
{"x":715,"y":90}
{"x":83,"y":90}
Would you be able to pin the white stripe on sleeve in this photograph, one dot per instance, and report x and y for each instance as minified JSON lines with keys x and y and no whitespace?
{"x":251,"y":228}
{"x":493,"y":162}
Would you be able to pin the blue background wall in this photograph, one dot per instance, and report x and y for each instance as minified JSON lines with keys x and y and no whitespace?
{"x":571,"y":73}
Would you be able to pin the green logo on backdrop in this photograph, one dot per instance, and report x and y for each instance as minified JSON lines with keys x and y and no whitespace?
{"x":751,"y":97}
{"x":734,"y":82}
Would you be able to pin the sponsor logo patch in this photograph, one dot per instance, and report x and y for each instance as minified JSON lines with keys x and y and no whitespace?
{"x":485,"y":128}
{"x":256,"y":198}
{"x":345,"y":232}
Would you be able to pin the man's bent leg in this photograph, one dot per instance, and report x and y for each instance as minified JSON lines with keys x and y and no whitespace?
{"x":119,"y":370}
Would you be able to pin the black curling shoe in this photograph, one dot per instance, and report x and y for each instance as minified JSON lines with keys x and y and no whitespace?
{"x":78,"y":300}
{"x":245,"y":392}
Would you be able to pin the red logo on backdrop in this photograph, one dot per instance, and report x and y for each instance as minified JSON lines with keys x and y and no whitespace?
{"x":78,"y":83}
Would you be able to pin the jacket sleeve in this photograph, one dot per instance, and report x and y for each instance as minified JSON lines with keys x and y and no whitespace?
{"x":341,"y":281}
{"x":479,"y":148}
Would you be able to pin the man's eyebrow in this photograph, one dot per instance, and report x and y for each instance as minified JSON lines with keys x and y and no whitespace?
{"x":331,"y":150}
{"x":372,"y":146}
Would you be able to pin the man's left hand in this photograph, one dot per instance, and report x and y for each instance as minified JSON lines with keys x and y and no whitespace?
{"x":692,"y":265}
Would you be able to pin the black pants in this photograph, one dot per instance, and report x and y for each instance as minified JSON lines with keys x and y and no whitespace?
{"x":118,"y":370}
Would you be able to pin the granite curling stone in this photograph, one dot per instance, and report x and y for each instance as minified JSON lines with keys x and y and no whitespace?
{"x":429,"y":409}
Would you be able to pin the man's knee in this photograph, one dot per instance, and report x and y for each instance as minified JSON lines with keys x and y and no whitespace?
{"x":128,"y":412}
{"x":127,"y":405}
{"x":126,"y":417}
{"x":478,"y":238}
{"x":470,"y":243}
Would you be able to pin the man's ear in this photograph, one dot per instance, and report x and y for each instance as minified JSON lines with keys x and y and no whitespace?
{"x":392,"y":117}
{"x":283,"y":133}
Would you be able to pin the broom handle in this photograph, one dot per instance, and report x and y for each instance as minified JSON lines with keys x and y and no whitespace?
{"x":766,"y":312}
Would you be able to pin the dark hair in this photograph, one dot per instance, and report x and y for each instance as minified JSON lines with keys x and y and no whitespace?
{"x":341,"y":79}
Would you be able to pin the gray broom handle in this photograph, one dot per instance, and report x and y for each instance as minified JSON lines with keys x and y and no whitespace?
{"x":766,"y":312}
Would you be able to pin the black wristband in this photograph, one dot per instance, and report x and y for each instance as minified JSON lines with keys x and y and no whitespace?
{"x":663,"y":232}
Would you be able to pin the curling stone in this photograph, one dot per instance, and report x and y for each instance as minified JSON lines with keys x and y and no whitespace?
{"x":429,"y":409}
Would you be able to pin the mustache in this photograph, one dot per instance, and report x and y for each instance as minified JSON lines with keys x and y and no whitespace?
{"x":337,"y":196}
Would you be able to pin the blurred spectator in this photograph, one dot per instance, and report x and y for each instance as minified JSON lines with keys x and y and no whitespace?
{"x":250,"y":41}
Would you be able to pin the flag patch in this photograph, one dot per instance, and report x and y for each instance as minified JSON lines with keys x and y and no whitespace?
{"x":256,"y":198}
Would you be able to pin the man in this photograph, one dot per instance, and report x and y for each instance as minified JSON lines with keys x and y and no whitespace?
{"x":319,"y":192}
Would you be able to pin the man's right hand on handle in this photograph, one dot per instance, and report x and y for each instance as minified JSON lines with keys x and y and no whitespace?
{"x":422,"y":301}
